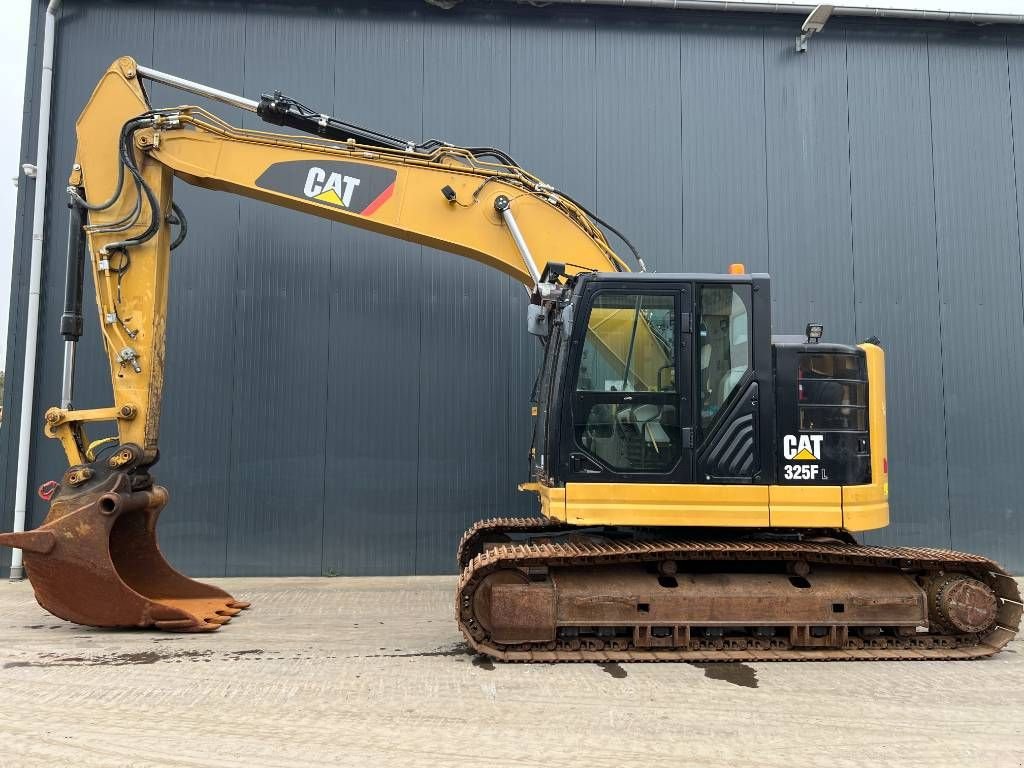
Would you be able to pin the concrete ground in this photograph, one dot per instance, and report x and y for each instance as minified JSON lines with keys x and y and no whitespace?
{"x":372,"y":672}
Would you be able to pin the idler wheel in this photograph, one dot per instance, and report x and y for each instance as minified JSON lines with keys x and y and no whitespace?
{"x":482,"y":595}
{"x":962,"y":603}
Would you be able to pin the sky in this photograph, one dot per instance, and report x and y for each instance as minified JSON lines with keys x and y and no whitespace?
{"x":14,"y":41}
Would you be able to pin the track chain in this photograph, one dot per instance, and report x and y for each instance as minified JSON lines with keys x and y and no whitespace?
{"x":475,"y":537}
{"x":540,"y":554}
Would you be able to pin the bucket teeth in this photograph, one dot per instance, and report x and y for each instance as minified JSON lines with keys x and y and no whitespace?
{"x":38,"y":541}
{"x":95,"y":560}
{"x":179,"y":625}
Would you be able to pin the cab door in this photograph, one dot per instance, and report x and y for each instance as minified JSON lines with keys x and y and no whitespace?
{"x":728,"y":426}
{"x":630,"y":418}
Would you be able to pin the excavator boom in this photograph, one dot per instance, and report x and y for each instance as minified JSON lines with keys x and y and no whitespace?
{"x":445,"y":197}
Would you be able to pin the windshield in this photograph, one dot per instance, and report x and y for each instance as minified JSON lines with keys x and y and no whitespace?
{"x":628,"y":347}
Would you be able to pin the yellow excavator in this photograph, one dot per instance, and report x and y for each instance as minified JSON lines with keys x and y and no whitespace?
{"x":699,"y":481}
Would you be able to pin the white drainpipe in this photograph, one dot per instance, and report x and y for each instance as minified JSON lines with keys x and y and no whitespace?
{"x":28,"y":383}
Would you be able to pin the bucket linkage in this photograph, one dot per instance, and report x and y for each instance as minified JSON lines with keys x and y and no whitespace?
{"x":95,"y":559}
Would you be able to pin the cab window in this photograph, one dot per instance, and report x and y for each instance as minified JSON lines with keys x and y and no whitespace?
{"x":833,"y":393}
{"x":723,"y":345}
{"x":626,"y":411}
{"x":630,"y":344}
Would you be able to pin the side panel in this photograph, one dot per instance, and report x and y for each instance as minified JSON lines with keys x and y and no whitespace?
{"x":823,"y":402}
{"x":806,"y":506}
{"x":657,"y":504}
{"x":866,"y":507}
{"x":552,"y":502}
{"x":857,"y":508}
{"x":732,"y":453}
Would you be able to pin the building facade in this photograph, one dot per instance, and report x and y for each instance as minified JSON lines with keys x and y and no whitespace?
{"x":341,"y":403}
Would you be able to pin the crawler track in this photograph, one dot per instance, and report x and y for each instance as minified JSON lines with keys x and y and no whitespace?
{"x":476,"y":538}
{"x":739,"y":643}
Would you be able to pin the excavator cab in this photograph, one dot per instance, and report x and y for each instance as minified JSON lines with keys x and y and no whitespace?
{"x":675,"y":382}
{"x":675,"y":379}
{"x":657,"y":379}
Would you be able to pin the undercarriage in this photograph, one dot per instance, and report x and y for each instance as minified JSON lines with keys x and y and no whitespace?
{"x":540,"y":590}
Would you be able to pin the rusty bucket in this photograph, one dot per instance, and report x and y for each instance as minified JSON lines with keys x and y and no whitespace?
{"x":95,"y":559}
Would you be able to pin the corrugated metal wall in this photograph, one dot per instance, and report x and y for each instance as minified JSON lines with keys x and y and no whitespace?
{"x":341,"y":403}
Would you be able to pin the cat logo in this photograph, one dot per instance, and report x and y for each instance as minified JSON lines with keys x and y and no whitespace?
{"x":358,"y":188}
{"x":802,"y":447}
{"x":334,"y":188}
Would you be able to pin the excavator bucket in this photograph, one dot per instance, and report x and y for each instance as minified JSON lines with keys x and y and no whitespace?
{"x":95,"y":559}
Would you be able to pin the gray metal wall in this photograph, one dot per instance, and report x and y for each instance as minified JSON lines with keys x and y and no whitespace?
{"x":340,"y":403}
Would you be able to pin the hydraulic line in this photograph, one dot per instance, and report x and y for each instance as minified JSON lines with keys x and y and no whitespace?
{"x":182,"y":223}
{"x":606,"y":225}
{"x":80,"y":199}
{"x":128,"y":159}
{"x":125,"y":223}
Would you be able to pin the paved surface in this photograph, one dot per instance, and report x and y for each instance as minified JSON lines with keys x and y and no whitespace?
{"x":304,"y":678}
